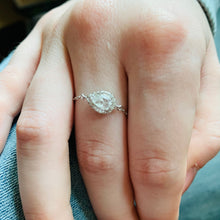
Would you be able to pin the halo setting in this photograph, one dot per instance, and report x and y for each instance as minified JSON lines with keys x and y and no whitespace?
{"x":102,"y":102}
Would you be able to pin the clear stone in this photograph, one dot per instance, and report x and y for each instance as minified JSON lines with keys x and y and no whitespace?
{"x":102,"y":101}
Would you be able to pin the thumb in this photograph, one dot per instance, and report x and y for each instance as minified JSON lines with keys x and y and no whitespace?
{"x":205,"y":140}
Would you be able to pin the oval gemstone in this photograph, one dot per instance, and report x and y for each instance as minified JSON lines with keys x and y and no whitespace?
{"x":102,"y":101}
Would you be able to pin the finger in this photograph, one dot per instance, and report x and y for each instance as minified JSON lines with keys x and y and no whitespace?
{"x":14,"y":81}
{"x":102,"y":143}
{"x":205,"y":141}
{"x":16,"y":77}
{"x":162,"y":99}
{"x":102,"y":151}
{"x":43,"y":131}
{"x":101,"y":139}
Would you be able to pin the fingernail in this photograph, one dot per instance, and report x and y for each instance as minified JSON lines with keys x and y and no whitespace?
{"x":190,"y":175}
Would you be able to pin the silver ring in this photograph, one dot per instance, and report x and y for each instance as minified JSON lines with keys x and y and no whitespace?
{"x":102,"y":102}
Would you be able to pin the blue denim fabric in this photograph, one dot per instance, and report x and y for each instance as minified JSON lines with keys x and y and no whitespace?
{"x":200,"y":202}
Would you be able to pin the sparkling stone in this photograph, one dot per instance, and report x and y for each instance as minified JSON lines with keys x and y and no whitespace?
{"x":102,"y":101}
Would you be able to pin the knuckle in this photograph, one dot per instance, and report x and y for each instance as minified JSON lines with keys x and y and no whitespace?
{"x":96,"y":157}
{"x":51,"y":24}
{"x":2,"y":139}
{"x":4,"y":105}
{"x":154,"y":171}
{"x":9,"y":83}
{"x":51,"y":30}
{"x":46,"y":19}
{"x":34,"y":216}
{"x":211,"y":136}
{"x":45,"y":213}
{"x":159,"y":34}
{"x":208,"y":132}
{"x":33,"y":126}
{"x":88,"y":18}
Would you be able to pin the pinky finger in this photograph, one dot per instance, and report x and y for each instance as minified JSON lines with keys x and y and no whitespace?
{"x":205,"y":141}
{"x":15,"y":79}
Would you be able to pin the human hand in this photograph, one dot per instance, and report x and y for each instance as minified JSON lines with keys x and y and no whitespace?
{"x":168,"y":56}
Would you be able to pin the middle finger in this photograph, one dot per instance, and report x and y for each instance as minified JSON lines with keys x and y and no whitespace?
{"x":101,"y":139}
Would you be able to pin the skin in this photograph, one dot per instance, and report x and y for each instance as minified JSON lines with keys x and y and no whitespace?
{"x":159,"y":59}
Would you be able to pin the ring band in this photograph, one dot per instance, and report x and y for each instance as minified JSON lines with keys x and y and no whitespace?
{"x":102,"y":102}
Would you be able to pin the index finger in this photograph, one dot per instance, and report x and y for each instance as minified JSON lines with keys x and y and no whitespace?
{"x":43,"y":130}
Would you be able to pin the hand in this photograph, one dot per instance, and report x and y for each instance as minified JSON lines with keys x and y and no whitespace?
{"x":159,"y":59}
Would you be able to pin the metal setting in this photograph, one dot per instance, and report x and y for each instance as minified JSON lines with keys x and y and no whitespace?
{"x":102,"y":102}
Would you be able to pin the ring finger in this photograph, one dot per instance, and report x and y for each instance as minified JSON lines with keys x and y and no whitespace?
{"x":101,"y":139}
